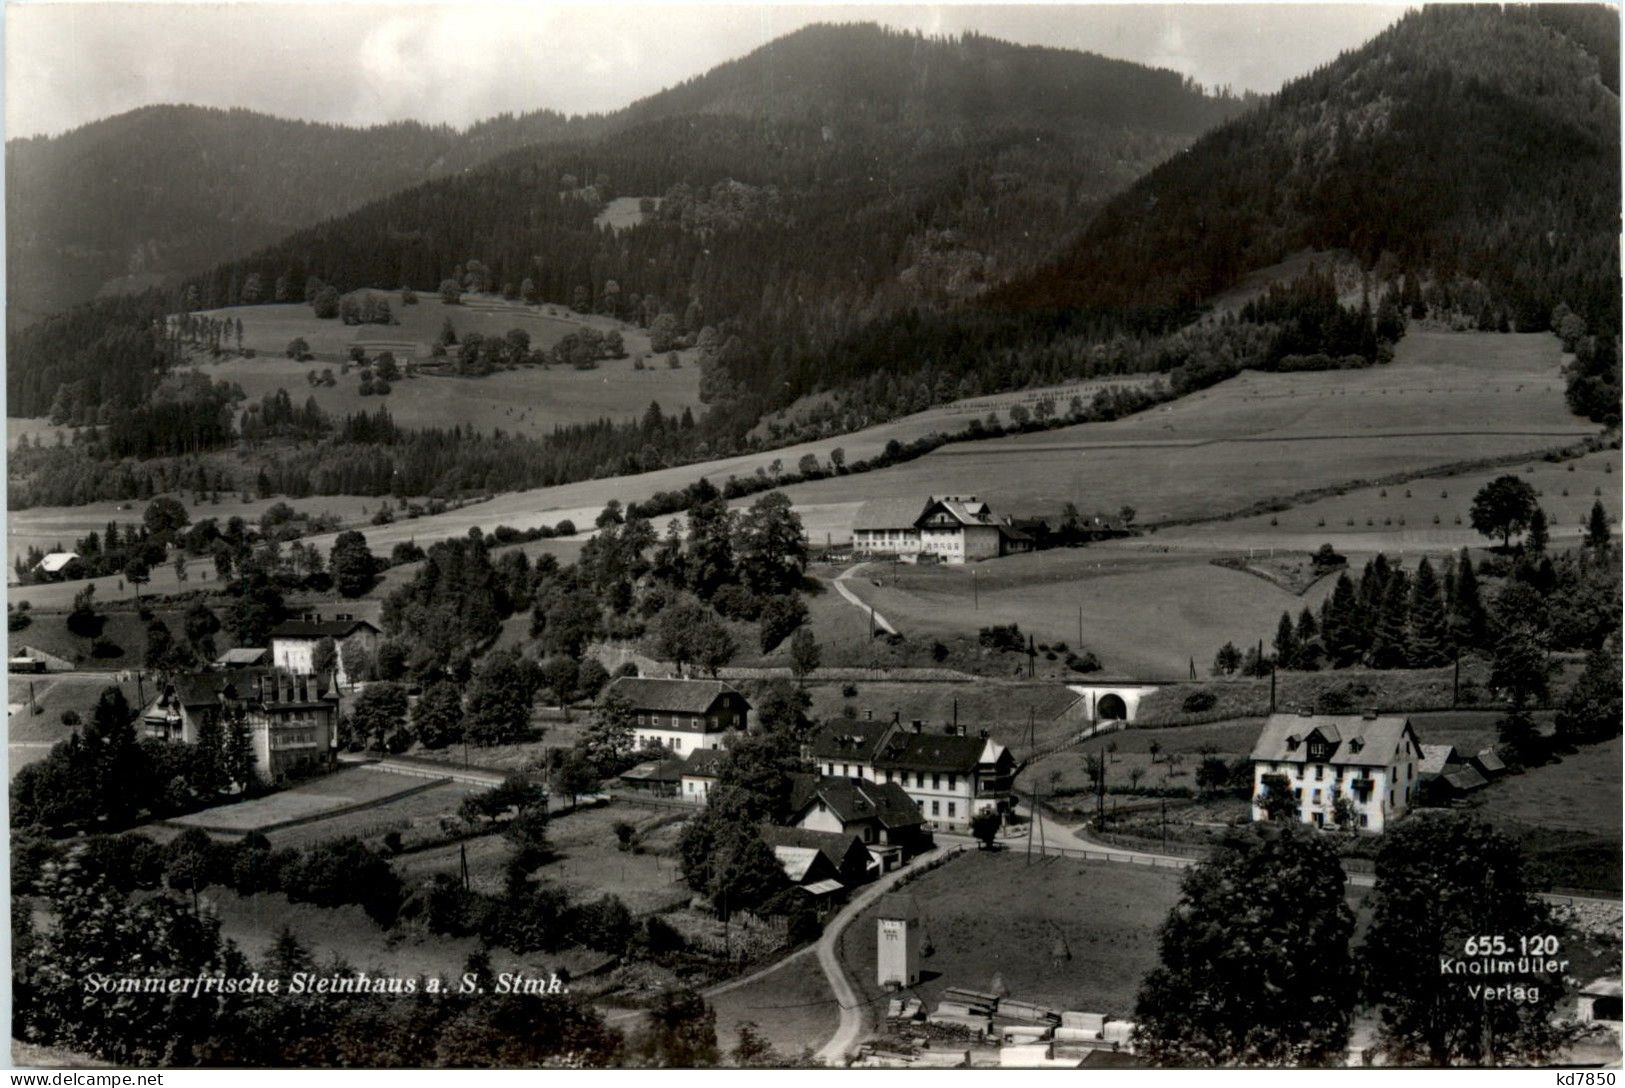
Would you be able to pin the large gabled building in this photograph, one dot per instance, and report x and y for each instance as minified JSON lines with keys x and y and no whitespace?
{"x":294,"y":643}
{"x":1372,"y":762}
{"x":950,"y":774}
{"x":681,"y":715}
{"x":946,"y":529}
{"x":292,"y":720}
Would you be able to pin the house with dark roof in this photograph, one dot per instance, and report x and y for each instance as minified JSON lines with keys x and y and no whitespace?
{"x":243,"y":657}
{"x":681,"y":715}
{"x":950,"y":774}
{"x":1362,"y":767}
{"x":881,"y":814}
{"x":945,"y":529}
{"x":293,"y":644}
{"x":700,"y":771}
{"x":653,"y":778}
{"x":292,"y":720}
{"x":849,"y":859}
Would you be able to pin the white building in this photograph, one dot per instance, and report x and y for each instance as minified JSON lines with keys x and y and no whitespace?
{"x":897,"y":932}
{"x":1371,"y":761}
{"x":951,"y":776}
{"x":947,"y":529}
{"x":293,"y":644}
{"x":681,"y":715}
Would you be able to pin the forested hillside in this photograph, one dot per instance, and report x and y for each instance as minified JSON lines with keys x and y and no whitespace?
{"x":796,"y":217}
{"x":132,"y":200}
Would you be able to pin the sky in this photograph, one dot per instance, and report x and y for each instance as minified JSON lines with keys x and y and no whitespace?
{"x":70,"y":62}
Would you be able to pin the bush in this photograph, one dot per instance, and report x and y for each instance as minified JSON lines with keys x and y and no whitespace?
{"x":1199,"y":702}
{"x":1085,"y":662}
{"x":1005,"y":639}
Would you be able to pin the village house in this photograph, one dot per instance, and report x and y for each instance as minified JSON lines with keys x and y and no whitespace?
{"x":949,"y":774}
{"x":843,"y":857}
{"x":59,"y":566}
{"x":292,"y":720}
{"x":681,"y":715}
{"x":293,"y":644}
{"x":947,"y":529}
{"x":700,"y":772}
{"x":1370,"y":761}
{"x":243,"y":657}
{"x":880,"y":814}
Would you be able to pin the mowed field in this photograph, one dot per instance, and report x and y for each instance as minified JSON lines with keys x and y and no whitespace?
{"x":45,"y":527}
{"x":529,"y":401}
{"x":1446,"y":397}
{"x":1432,"y":515}
{"x":1144,"y":614}
{"x":989,"y":914}
{"x":343,"y":788}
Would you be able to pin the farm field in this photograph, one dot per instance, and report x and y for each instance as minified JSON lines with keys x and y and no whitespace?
{"x":793,"y":1008}
{"x":1446,"y":397}
{"x":588,"y":864}
{"x":29,"y":736}
{"x":346,"y":786}
{"x":1144,"y":614}
{"x":45,"y":527}
{"x":1564,"y":815}
{"x":1431,"y":516}
{"x":991,"y":913}
{"x":396,"y":814}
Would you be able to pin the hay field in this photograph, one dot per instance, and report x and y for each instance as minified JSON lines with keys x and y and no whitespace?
{"x":991,"y":913}
{"x":1431,"y":516}
{"x":344,"y":787}
{"x":45,"y":527}
{"x":529,"y":401}
{"x":1144,"y":615}
{"x":1447,"y":397}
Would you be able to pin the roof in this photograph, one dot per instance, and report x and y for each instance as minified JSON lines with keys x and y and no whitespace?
{"x":243,"y":655}
{"x":1358,"y":741}
{"x":849,"y":740}
{"x":834,"y":845}
{"x":823,"y":887}
{"x":852,"y":799}
{"x":655,"y":770}
{"x":334,"y":629}
{"x":799,"y":862}
{"x":1607,"y":986}
{"x":682,"y":696}
{"x":881,"y":514}
{"x":198,"y":689}
{"x":1435,"y":757}
{"x":935,"y":752}
{"x":1464,"y":778}
{"x":897,"y":905}
{"x":966,"y":510}
{"x":1489,"y":762}
{"x":704,"y":763}
{"x":56,"y":561}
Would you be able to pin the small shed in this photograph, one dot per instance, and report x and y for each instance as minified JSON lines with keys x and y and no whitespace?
{"x":1489,"y":763}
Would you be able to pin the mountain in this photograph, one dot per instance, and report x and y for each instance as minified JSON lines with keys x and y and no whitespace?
{"x":886,"y":171}
{"x":141,"y":198}
{"x":1476,"y":147}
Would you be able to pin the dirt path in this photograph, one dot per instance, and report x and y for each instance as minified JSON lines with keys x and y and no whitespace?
{"x":857,"y":602}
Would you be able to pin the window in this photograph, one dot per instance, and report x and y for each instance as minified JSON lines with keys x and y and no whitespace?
{"x":936,"y":781}
{"x":1320,"y":772}
{"x":1316,"y":798}
{"x":677,"y":744}
{"x":821,"y":806}
{"x":936,"y":808}
{"x":953,"y":781}
{"x":951,"y":807}
{"x":1365,"y":821}
{"x":829,"y":769}
{"x":846,"y":770}
{"x":919,"y":780}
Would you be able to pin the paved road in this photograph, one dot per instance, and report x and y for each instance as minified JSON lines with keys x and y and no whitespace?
{"x":857,"y":602}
